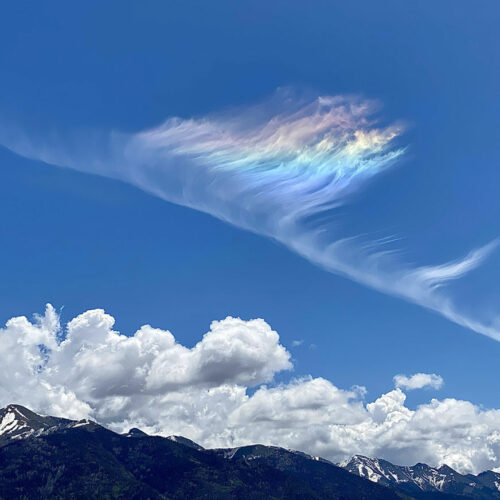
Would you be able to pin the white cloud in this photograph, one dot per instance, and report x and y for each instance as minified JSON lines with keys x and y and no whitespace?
{"x":98,"y":361}
{"x":151,"y":381}
{"x":419,"y":381}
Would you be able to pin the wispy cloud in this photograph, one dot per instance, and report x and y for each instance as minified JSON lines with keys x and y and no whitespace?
{"x":280,"y":169}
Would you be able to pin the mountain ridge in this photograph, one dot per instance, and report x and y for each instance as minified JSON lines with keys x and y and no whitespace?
{"x":48,"y":457}
{"x":424,"y":478}
{"x":51,"y":457}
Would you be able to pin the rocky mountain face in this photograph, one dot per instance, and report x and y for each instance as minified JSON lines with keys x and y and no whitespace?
{"x":58,"y":458}
{"x":423,"y":480}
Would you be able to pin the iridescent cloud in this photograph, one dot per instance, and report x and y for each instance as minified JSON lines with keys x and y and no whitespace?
{"x":280,"y":169}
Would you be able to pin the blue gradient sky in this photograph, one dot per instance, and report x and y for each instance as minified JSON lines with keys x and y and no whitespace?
{"x":80,"y":241}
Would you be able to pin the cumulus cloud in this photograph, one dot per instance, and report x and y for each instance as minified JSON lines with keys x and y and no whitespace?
{"x":418,"y":381}
{"x":221,"y":393}
{"x":280,"y":169}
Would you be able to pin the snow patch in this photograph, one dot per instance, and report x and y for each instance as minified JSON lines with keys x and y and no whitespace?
{"x":10,"y":423}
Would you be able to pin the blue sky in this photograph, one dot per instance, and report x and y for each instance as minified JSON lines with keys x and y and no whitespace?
{"x":80,"y":241}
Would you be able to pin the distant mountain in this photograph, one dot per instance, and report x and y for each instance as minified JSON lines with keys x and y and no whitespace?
{"x":423,"y":481}
{"x":56,"y":458}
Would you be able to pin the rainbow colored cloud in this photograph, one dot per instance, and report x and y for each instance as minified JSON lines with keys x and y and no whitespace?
{"x":280,"y":169}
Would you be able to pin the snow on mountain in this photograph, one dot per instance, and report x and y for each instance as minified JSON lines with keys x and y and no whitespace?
{"x":423,"y":478}
{"x":17,"y":422}
{"x":12,"y":421}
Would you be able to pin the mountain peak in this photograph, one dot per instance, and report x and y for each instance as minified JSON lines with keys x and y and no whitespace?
{"x":18,"y":411}
{"x":135,"y":432}
{"x":14,"y":406}
{"x":17,"y":421}
{"x":446,"y":469}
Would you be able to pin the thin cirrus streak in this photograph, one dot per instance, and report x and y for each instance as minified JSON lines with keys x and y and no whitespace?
{"x":279,"y":169}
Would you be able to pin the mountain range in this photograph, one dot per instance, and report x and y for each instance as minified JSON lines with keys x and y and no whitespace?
{"x":424,"y":481}
{"x":57,"y":458}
